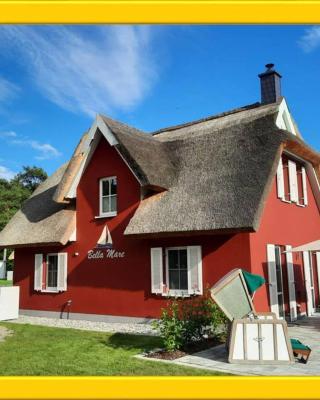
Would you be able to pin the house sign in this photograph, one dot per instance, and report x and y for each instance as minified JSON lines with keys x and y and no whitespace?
{"x":103,"y":248}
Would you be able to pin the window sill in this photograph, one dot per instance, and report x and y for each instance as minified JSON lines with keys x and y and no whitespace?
{"x":179,"y":294}
{"x":49,"y":291}
{"x":112,"y":214}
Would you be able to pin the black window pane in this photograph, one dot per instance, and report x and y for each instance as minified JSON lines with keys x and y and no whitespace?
{"x":183,"y":279}
{"x":105,"y":188}
{"x":183,"y":259}
{"x":173,"y":259}
{"x":52,"y":271}
{"x":174,"y":279}
{"x":114,"y":186}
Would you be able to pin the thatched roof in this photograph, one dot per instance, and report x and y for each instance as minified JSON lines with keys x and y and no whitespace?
{"x":41,"y":220}
{"x":225,"y":166}
{"x":148,"y":158}
{"x":207,"y":176}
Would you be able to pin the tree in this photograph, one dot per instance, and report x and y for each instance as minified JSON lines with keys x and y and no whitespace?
{"x":31,"y":177}
{"x":13,"y":193}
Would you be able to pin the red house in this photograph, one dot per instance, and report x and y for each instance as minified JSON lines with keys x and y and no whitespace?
{"x":135,"y":218}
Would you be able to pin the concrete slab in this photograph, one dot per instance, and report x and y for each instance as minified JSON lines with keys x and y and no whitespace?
{"x":307,"y":330}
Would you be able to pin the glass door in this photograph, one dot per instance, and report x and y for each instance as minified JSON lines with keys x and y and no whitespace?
{"x":280,"y":292}
{"x":312,"y":281}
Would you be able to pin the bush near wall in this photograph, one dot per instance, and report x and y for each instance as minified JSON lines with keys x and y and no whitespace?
{"x":185,"y":321}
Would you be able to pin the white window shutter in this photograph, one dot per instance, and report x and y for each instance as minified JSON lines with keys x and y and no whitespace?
{"x":318,"y":268}
{"x":272,"y":279}
{"x":291,"y":285}
{"x":293,"y":182}
{"x":304,"y":186}
{"x":156,"y":270}
{"x":38,"y":270}
{"x":280,"y":180}
{"x":195,"y":270}
{"x":62,"y":271}
{"x":307,"y":280}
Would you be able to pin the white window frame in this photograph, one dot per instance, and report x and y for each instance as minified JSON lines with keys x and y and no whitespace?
{"x":176,"y":292}
{"x":109,"y":213}
{"x":280,"y":180}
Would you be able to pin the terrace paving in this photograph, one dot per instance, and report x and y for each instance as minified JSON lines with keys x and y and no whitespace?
{"x":307,"y":330}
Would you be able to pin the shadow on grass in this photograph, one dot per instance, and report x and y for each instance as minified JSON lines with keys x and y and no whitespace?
{"x":132,"y":342}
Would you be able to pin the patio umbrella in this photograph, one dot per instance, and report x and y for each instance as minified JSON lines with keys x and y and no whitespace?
{"x":312,"y":246}
{"x":253,"y":281}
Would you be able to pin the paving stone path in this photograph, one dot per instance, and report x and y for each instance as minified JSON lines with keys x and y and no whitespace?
{"x":307,"y":330}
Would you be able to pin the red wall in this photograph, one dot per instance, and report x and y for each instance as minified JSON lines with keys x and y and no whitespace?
{"x":118,"y":286}
{"x":284,"y":224}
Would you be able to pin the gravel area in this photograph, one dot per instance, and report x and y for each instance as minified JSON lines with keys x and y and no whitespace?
{"x":134,"y":328}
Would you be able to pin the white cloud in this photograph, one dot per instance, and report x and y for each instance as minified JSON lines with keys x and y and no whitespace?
{"x":46,"y":150}
{"x":86,"y":69}
{"x":8,"y":134}
{"x":6,"y":173}
{"x":311,"y":39}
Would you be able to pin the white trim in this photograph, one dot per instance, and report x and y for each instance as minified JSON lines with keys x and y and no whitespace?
{"x":89,"y":148}
{"x":106,"y":132}
{"x":291,"y":284}
{"x":280,"y":180}
{"x":304,"y":186}
{"x":156,"y":252}
{"x":284,"y":120}
{"x":293,"y":181}
{"x":272,"y":279}
{"x":108,"y":213}
{"x":307,"y":280}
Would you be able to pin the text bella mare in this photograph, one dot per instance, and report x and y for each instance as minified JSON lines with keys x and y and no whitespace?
{"x":108,"y":253}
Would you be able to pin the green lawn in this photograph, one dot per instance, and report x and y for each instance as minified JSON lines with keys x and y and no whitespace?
{"x":4,"y":282}
{"x":38,"y":350}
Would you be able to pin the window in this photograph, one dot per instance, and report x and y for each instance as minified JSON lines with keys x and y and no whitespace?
{"x":50,"y":272}
{"x":183,"y":271}
{"x":108,"y":197}
{"x":292,"y":181}
{"x":177,"y":269}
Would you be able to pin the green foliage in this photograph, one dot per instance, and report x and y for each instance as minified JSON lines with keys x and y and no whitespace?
{"x":31,"y":177}
{"x":13,"y":193}
{"x":171,"y":327}
{"x":186,"y":320}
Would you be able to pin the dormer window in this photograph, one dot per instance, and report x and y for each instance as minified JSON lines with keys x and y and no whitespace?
{"x":108,"y":197}
{"x":292,"y":181}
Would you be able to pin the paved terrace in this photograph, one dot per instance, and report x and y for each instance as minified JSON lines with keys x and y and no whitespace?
{"x":307,"y":330}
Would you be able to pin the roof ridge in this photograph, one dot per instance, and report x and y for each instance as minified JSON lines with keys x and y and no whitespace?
{"x":104,"y":117}
{"x":215,"y":116}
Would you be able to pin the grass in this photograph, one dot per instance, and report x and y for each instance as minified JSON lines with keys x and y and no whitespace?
{"x":39,"y":350}
{"x":4,"y":282}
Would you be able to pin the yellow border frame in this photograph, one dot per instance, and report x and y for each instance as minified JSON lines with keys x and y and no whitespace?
{"x":161,"y":11}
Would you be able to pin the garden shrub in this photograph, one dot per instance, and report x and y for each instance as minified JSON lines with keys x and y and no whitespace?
{"x":187,"y":320}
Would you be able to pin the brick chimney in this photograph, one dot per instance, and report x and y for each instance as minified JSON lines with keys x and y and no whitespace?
{"x":270,"y":83}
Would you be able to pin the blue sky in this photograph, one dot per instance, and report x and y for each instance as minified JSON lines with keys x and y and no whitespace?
{"x":54,"y":79}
